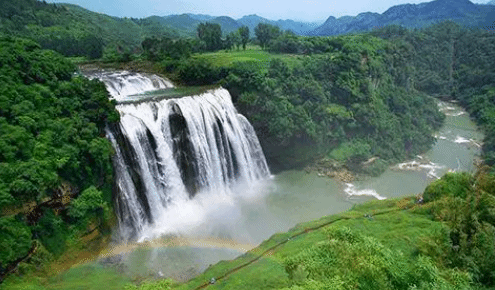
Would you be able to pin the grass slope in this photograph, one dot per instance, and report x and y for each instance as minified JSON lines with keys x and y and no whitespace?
{"x":251,"y":54}
{"x":399,"y":225}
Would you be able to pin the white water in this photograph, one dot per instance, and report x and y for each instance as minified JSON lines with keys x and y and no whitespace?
{"x":122,"y":85}
{"x":248,"y":211}
{"x":351,"y":191}
{"x":163,"y":146}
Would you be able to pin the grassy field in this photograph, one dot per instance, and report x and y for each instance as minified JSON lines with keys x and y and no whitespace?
{"x":397,"y":226}
{"x":251,"y":54}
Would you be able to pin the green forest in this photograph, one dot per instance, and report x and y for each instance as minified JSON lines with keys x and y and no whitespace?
{"x":53,"y":152}
{"x":339,"y":100}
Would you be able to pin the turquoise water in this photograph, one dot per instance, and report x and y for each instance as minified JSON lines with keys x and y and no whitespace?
{"x":256,"y":212}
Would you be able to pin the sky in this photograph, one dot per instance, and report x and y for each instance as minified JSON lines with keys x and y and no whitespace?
{"x":302,"y":10}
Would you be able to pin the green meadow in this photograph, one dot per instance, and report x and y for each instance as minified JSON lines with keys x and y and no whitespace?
{"x":223,"y":58}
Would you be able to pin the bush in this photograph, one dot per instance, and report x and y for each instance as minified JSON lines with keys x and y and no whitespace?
{"x":200,"y":72}
{"x":352,"y":261}
{"x":451,"y":184}
{"x":15,"y":240}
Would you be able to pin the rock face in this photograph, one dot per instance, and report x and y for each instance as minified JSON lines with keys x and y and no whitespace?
{"x":412,"y":16}
{"x":333,"y":169}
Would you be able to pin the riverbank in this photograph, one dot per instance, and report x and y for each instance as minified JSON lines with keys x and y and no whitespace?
{"x":295,"y":199}
{"x":401,"y":231}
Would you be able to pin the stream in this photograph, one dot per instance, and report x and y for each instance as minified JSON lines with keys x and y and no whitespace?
{"x":229,"y":226}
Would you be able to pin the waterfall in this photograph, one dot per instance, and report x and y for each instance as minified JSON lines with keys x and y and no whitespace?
{"x":169,"y":152}
{"x":122,"y":85}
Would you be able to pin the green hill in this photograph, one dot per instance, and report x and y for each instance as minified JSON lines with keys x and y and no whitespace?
{"x":412,"y":16}
{"x":441,"y":240}
{"x":445,"y":240}
{"x":72,"y":30}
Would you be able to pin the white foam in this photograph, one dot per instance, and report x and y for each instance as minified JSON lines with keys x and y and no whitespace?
{"x":450,"y":110}
{"x":430,"y":167}
{"x":460,"y":140}
{"x":440,"y":137}
{"x":123,"y":84}
{"x":455,"y":114}
{"x":351,"y":190}
{"x":211,"y":213}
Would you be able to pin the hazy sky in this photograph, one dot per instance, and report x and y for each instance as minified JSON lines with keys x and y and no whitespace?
{"x":307,"y":10}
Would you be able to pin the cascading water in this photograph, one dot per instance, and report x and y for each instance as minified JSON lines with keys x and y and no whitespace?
{"x":123,"y":84}
{"x":169,"y":151}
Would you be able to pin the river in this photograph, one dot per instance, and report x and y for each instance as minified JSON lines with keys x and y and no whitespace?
{"x":217,"y":228}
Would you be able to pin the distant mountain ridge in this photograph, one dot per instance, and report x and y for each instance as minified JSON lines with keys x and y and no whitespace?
{"x":409,"y":15}
{"x":413,"y":16}
{"x":187,"y":23}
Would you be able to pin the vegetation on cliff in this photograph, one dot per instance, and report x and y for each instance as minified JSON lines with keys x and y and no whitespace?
{"x":454,"y":62}
{"x":347,"y":98}
{"x":55,"y":162}
{"x":444,"y":241}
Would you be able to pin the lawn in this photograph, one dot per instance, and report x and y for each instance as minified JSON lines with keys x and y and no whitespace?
{"x":251,"y":54}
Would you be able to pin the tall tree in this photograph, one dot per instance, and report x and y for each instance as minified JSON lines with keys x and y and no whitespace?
{"x":211,"y":35}
{"x":244,"y":33}
{"x":265,"y":33}
{"x":233,"y":40}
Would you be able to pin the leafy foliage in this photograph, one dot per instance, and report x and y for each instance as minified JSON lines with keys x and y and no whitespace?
{"x":452,"y":61}
{"x":265,"y":33}
{"x":211,"y":35}
{"x":352,"y":261}
{"x":15,"y":240}
{"x":74,"y":31}
{"x":467,"y":204}
{"x":328,"y":99}
{"x":244,"y":33}
{"x":53,"y":146}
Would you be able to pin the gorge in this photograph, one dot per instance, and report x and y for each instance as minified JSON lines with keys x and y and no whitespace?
{"x":170,"y":186}
{"x":171,"y":150}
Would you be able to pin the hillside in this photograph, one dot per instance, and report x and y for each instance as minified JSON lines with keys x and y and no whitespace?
{"x":187,"y":23}
{"x":440,"y":240}
{"x":72,"y":30}
{"x":411,"y":16}
{"x":52,"y":153}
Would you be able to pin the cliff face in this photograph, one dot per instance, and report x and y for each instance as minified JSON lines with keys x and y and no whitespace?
{"x":410,"y":15}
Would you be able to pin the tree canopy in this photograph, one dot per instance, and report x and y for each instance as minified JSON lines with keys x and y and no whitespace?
{"x":52,"y":147}
{"x":265,"y":33}
{"x":211,"y":35}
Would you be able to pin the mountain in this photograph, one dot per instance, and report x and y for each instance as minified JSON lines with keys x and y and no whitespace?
{"x":73,"y":30}
{"x":186,"y":24}
{"x":251,"y":21}
{"x":301,"y":28}
{"x":228,"y":24}
{"x":200,"y":17}
{"x":412,"y":16}
{"x":182,"y":22}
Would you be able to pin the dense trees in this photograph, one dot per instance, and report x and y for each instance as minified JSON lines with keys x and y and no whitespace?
{"x":363,"y":89}
{"x":244,"y":33}
{"x":448,"y":60}
{"x":466,"y":203}
{"x":233,"y":40}
{"x":74,"y":31}
{"x":157,"y":49}
{"x":52,"y":148}
{"x":345,"y":103}
{"x":211,"y":35}
{"x":265,"y":33}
